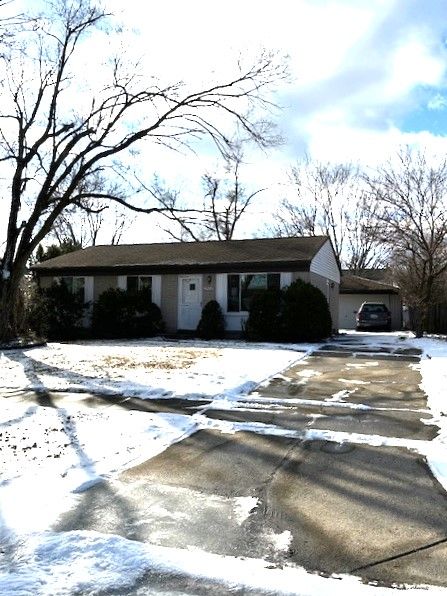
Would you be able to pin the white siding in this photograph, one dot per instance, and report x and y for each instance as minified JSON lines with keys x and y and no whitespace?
{"x":156,"y":289}
{"x":88,"y":289}
{"x":286,"y":279}
{"x":234,"y":321}
{"x":221,"y":291}
{"x":325,"y":264}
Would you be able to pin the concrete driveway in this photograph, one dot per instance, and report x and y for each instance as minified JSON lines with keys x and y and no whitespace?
{"x":371,"y":510}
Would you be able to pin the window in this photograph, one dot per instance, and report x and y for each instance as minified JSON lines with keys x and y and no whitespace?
{"x":242,"y":287}
{"x":76,"y":285}
{"x":374,"y":308}
{"x":139,"y":283}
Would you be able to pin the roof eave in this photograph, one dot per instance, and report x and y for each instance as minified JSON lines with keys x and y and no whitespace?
{"x":240,"y":267}
{"x":376,"y":291}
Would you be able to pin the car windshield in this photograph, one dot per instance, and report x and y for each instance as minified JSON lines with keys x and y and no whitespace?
{"x":374,"y":308}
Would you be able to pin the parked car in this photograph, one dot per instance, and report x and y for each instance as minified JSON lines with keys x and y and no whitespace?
{"x":373,"y":315}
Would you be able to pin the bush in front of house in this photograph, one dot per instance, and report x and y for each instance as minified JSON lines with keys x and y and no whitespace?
{"x":118,"y":314}
{"x":263,"y":323}
{"x":212,"y":322}
{"x":305,"y":314}
{"x":297,"y":313}
{"x":55,"y":313}
{"x":111,"y":315}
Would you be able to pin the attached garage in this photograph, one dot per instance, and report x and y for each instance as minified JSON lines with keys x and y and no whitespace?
{"x":355,"y":289}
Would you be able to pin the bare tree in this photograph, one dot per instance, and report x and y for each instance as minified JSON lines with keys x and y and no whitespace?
{"x":92,"y":223}
{"x":365,"y":249}
{"x":53,"y":149}
{"x":411,"y":193}
{"x":330,"y":200}
{"x":9,"y":22}
{"x":224,"y":203}
{"x":82,"y":224}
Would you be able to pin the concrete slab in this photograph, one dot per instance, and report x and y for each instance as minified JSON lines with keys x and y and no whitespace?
{"x":375,"y":383}
{"x":352,"y":508}
{"x":389,"y":423}
{"x":329,"y":510}
{"x":414,"y":567}
{"x":190,"y":496}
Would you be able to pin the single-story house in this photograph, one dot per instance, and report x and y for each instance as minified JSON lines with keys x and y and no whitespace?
{"x":368,"y":286}
{"x":183,"y":277}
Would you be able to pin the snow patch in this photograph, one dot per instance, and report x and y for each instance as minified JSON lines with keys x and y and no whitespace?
{"x":361,"y":364}
{"x":89,"y":562}
{"x":341,"y":395}
{"x":148,"y":369}
{"x":243,"y":507}
{"x":49,"y":455}
{"x":308,"y":374}
{"x":280,"y":542}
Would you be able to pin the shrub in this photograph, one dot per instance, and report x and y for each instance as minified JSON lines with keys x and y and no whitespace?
{"x":263,"y":323}
{"x":299,"y":312}
{"x":212,"y":322}
{"x":118,"y":314}
{"x":305,"y":314}
{"x":56,"y":313}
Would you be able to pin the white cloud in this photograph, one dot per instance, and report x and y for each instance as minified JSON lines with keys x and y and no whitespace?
{"x":367,"y":146}
{"x":438,"y":102}
{"x":413,"y":63}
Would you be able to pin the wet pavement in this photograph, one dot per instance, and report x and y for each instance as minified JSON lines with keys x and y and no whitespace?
{"x":373,"y":511}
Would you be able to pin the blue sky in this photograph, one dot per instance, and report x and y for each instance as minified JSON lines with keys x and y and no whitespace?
{"x":429,"y":112}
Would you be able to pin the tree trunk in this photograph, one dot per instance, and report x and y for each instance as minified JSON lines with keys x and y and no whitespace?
{"x":11,"y":319}
{"x":427,"y":302}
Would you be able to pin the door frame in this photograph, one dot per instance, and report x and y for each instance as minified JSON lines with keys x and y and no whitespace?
{"x":198,"y":278}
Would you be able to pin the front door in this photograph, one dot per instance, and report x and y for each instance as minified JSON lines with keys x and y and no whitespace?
{"x":190,"y":302}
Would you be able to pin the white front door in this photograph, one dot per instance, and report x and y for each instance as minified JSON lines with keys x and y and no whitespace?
{"x":190,"y":302}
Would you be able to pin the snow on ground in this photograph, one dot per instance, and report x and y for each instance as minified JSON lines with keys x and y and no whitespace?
{"x":244,"y":506}
{"x":86,"y":562}
{"x":433,"y":368}
{"x":145,"y":369}
{"x":50,"y":454}
{"x":55,"y":453}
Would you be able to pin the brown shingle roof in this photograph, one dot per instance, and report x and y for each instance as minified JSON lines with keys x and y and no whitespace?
{"x":187,"y":256}
{"x":377,"y":274}
{"x":354,"y":284}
